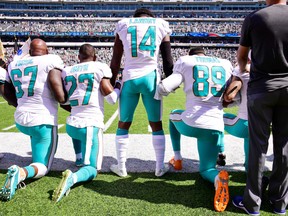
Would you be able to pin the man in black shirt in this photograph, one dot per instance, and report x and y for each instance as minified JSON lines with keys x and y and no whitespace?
{"x":265,"y":32}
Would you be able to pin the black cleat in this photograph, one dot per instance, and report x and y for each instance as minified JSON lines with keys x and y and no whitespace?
{"x":221,"y":161}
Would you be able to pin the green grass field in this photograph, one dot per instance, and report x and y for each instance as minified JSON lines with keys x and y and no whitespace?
{"x":139,"y":194}
{"x":139,"y":125}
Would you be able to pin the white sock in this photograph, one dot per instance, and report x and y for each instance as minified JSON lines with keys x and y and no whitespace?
{"x":121,"y":150}
{"x":74,"y":177}
{"x":177,"y":155}
{"x":22,"y":175}
{"x":159,"y":147}
{"x":216,"y":181}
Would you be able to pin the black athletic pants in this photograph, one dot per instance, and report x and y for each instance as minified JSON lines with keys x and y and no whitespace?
{"x":266,"y":110}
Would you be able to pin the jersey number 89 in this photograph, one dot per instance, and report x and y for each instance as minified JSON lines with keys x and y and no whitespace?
{"x":201,"y":85}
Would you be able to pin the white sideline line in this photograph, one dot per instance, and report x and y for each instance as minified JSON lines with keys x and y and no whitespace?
{"x":107,"y":125}
{"x":3,"y":102}
{"x":8,"y":128}
{"x":110,"y":121}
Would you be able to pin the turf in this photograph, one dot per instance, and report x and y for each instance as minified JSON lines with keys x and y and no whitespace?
{"x":139,"y":124}
{"x":138,"y":194}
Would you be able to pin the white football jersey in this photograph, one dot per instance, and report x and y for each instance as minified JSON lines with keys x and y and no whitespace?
{"x":242,"y":111}
{"x":141,"y":38}
{"x":82,"y":82}
{"x":36,"y":103}
{"x":2,"y":75}
{"x":204,"y":81}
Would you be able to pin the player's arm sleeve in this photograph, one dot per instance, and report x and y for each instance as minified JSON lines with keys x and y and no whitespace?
{"x":165,"y":49}
{"x":245,"y":43}
{"x":110,"y":94}
{"x":169,"y":84}
{"x":245,"y":39}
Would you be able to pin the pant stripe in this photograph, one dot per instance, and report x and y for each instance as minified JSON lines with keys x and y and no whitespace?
{"x":89,"y":142}
{"x":53,"y":147}
{"x":100,"y":149}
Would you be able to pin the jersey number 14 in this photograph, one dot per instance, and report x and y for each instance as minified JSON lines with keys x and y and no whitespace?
{"x":150,"y":34}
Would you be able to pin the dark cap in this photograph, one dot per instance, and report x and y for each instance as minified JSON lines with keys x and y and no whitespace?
{"x":196,"y":50}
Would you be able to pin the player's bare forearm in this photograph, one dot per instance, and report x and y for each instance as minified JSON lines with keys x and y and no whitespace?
{"x":56,"y":85}
{"x":233,"y":88}
{"x":8,"y":92}
{"x":242,"y":57}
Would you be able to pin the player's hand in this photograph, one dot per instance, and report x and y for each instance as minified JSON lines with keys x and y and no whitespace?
{"x":232,"y":90}
{"x":225,"y":104}
{"x":118,"y":84}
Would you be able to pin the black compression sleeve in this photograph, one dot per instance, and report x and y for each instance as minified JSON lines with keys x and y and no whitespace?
{"x":165,"y":48}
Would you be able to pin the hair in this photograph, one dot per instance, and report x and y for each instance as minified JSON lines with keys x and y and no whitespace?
{"x":86,"y":51}
{"x":143,"y":11}
{"x":196,"y":51}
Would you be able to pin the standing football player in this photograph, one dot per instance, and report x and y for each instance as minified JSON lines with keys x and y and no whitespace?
{"x":140,"y":38}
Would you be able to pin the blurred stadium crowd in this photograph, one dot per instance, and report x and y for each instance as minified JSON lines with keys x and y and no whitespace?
{"x":104,"y":54}
{"x":109,"y":26}
{"x":41,"y":18}
{"x":69,"y":55}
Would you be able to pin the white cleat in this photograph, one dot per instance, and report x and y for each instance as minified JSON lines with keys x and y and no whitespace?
{"x":115,"y":169}
{"x":162,"y":171}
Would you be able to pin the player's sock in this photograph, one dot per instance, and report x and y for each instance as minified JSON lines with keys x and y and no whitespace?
{"x":220,"y":143}
{"x":85,"y":173}
{"x":29,"y":172}
{"x":175,"y":136}
{"x":177,"y":155}
{"x":34,"y":170}
{"x":79,"y":156}
{"x":158,"y":140}
{"x":121,"y":150}
{"x":77,"y":148}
